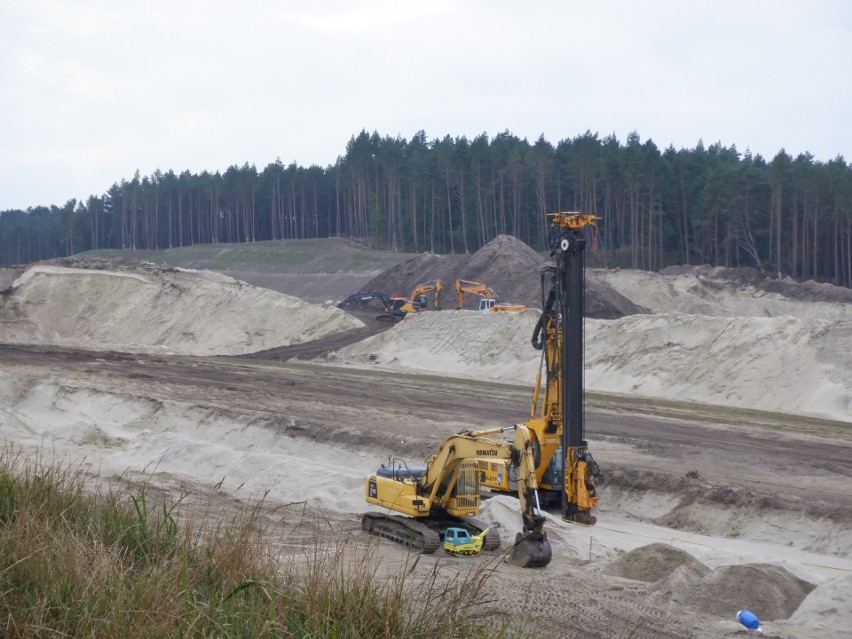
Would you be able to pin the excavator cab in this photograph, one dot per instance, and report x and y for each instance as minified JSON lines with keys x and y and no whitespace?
{"x":486,"y":303}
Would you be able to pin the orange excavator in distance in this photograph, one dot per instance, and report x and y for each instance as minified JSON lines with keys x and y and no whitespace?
{"x":396,"y":307}
{"x":489,"y":300}
{"x":415,"y":302}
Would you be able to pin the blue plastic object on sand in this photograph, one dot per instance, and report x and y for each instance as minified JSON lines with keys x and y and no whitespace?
{"x":748,"y":619}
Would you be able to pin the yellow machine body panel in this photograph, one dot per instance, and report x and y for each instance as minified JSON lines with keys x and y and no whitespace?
{"x":459,"y":493}
{"x":576,"y":488}
{"x":449,"y":488}
{"x":496,"y":475}
{"x":400,"y":496}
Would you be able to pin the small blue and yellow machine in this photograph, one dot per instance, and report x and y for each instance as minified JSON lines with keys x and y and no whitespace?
{"x":458,"y":541}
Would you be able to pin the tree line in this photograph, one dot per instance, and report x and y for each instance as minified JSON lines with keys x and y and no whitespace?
{"x":705,"y":205}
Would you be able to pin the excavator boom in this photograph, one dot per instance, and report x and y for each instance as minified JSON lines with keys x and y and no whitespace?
{"x":466,"y":286}
{"x":427,"y":287}
{"x":489,"y":301}
{"x":447,"y":493}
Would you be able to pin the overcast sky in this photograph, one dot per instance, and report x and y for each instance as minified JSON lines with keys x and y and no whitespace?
{"x":92,"y":90}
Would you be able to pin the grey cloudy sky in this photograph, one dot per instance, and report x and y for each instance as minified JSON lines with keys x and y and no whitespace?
{"x":92,"y":90}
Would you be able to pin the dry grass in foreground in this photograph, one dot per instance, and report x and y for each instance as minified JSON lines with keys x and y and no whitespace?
{"x":76,"y":561}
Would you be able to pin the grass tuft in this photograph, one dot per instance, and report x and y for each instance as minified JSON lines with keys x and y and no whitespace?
{"x":77,"y":561}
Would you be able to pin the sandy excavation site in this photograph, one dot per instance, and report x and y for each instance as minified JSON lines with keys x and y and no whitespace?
{"x":719,"y":407}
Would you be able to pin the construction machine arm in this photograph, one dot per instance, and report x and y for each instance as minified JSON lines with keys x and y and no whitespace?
{"x":427,"y":287}
{"x":441,"y":477}
{"x":466,"y":286}
{"x":567,"y":244}
{"x":527,"y":484}
{"x":362,"y":299}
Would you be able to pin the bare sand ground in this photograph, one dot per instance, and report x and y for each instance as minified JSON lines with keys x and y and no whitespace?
{"x":688,"y":533}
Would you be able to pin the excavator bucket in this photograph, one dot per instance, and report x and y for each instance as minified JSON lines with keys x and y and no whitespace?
{"x":530,"y":551}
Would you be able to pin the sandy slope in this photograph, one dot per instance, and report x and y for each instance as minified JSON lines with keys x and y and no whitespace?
{"x":151,"y":309}
{"x":784,"y":363}
{"x":706,"y":341}
{"x":209,"y":444}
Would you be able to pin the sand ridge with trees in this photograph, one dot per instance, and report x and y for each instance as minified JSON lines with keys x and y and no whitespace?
{"x":710,"y":204}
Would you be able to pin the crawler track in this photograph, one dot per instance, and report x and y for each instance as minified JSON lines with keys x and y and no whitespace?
{"x":424,"y":536}
{"x":492,"y":537}
{"x":403,"y":530}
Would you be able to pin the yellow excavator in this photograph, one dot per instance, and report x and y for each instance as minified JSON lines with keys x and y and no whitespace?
{"x":420,"y":504}
{"x":414,"y":303}
{"x":489,"y":300}
{"x":566,"y":471}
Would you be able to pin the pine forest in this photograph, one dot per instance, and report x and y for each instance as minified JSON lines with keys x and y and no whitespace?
{"x":788,"y":216}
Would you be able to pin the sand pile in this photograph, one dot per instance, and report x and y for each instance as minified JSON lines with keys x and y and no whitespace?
{"x":115,"y":431}
{"x":748,"y":277}
{"x":771,"y":590}
{"x":144,"y":308}
{"x":784,"y":363}
{"x":465,"y":343}
{"x":828,"y":607}
{"x":721,"y":292}
{"x":655,"y":562}
{"x":682,"y":580}
{"x":507,"y":265}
